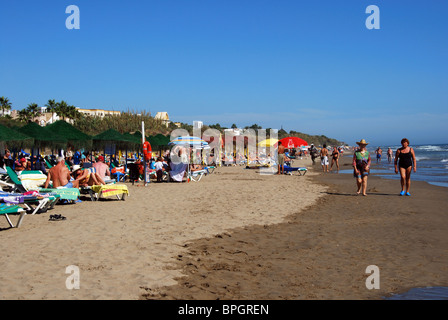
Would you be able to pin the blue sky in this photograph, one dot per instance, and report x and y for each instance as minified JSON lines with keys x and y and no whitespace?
{"x":308,"y":66}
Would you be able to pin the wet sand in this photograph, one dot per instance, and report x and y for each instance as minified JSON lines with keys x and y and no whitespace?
{"x":322,"y":252}
{"x":235,"y":234}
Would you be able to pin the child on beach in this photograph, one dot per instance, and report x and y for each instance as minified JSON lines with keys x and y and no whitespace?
{"x":159,"y":169}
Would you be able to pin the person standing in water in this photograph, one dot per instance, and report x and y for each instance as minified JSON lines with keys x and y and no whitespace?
{"x":379,"y":153}
{"x":390,"y":155}
{"x":361,"y":166}
{"x":405,"y":158}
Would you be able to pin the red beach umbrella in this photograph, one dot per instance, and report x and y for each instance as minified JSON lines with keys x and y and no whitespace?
{"x":293,"y":142}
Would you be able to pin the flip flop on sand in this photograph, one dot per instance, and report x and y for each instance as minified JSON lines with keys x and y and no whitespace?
{"x":57,"y":217}
{"x":402,"y":193}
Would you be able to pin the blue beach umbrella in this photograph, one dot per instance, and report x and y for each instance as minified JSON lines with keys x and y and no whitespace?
{"x":191,"y":141}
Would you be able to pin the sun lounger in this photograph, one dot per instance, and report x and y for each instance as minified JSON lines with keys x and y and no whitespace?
{"x":69,"y":194}
{"x":300,"y":170}
{"x":197,"y":175}
{"x":6,"y":208}
{"x":33,"y":202}
{"x":210,"y":169}
{"x":32,"y":180}
{"x":107,"y":190}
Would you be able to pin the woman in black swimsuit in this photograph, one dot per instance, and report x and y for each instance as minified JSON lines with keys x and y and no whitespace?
{"x":335,"y":159}
{"x":405,"y":157}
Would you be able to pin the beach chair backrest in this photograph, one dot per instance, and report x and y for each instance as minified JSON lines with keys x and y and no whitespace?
{"x":49,"y":165}
{"x":13,"y":175}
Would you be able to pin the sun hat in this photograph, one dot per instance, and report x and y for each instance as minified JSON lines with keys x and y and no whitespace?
{"x":76,"y":167}
{"x":362,"y":142}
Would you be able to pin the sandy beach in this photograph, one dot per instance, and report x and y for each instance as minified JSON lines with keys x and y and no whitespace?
{"x":236,"y":234}
{"x":322,"y":252}
{"x":124,"y":247}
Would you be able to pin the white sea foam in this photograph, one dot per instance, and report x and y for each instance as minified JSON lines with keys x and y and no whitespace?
{"x":431,"y":148}
{"x":444,"y":160}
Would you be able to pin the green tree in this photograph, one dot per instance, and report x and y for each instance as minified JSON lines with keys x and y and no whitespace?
{"x":5,"y":105}
{"x":33,"y":110}
{"x":62,"y":109}
{"x":73,"y":113}
{"x":24,"y":115}
{"x":234,"y":126}
{"x":51,"y":108}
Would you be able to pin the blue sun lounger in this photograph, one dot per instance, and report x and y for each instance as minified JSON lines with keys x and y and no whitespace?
{"x":300,"y":170}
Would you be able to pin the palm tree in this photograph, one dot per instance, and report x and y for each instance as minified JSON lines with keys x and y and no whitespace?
{"x":73,"y":113}
{"x":24,"y":115}
{"x":33,"y":110}
{"x":5,"y":104}
{"x":51,"y":107}
{"x":62,"y":109}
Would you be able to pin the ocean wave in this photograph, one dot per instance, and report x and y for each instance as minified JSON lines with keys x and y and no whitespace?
{"x":421,"y":158}
{"x":431,"y":148}
{"x":444,"y":160}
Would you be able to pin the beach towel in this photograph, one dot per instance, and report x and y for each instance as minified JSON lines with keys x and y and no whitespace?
{"x":110,"y":190}
{"x":178,"y":171}
{"x":32,"y":180}
{"x":63,"y":193}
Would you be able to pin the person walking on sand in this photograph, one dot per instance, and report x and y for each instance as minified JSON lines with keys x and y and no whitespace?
{"x":405,"y":157}
{"x":335,"y":159}
{"x":361,"y":166}
{"x":281,"y":158}
{"x":324,"y":158}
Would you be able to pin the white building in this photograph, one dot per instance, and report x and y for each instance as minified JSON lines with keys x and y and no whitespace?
{"x":197,"y":124}
{"x":163,"y":116}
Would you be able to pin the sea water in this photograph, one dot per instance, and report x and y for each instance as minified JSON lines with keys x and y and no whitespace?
{"x":427,"y":293}
{"x":432,"y":164}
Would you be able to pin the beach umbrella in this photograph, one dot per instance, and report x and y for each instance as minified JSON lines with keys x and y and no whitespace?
{"x":113,"y":137}
{"x":268,"y":143}
{"x":162,"y":140}
{"x":191,"y":141}
{"x":15,"y":138}
{"x":42,"y":136}
{"x":75,"y":137}
{"x":293,"y":142}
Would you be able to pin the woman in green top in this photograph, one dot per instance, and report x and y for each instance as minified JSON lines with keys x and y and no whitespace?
{"x":361,"y":166}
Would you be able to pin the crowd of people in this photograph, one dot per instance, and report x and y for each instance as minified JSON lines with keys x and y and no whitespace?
{"x":76,"y":169}
{"x":71,"y":171}
{"x":404,"y":162}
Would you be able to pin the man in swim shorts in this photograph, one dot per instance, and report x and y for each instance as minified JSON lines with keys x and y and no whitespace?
{"x":59,"y":175}
{"x":281,"y":158}
{"x":379,"y":153}
{"x":324,"y":158}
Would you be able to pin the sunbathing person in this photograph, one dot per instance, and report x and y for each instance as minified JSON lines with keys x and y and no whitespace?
{"x":60,"y":176}
{"x":196,"y":167}
{"x":101,"y":168}
{"x":87,"y":176}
